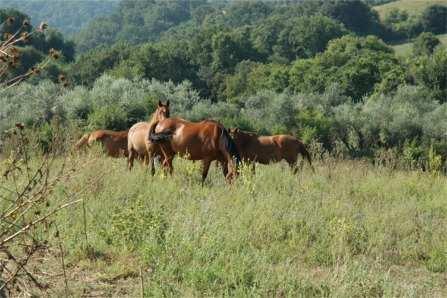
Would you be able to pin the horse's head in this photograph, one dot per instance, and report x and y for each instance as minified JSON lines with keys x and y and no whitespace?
{"x":162,"y":111}
{"x":241,"y":137}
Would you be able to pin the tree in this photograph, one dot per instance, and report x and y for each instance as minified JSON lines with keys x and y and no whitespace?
{"x":434,"y":19}
{"x":431,"y":71}
{"x":425,"y":44}
{"x":356,"y":15}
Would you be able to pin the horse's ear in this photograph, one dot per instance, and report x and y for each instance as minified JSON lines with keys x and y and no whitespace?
{"x":167,"y":103}
{"x":159,"y":103}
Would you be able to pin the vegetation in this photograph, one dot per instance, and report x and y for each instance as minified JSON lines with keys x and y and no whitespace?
{"x":60,"y":14}
{"x":409,"y":6}
{"x":367,"y":223}
{"x":350,"y":229}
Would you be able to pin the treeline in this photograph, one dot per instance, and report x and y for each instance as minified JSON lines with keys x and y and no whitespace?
{"x":67,"y":16}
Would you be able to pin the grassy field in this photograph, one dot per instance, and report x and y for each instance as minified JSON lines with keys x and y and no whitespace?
{"x":350,"y":229}
{"x":405,"y":49}
{"x":411,"y":6}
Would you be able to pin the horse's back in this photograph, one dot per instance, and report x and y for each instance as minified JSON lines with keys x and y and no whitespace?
{"x":137,"y":137}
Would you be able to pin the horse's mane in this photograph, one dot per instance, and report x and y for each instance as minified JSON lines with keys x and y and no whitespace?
{"x":249,"y":133}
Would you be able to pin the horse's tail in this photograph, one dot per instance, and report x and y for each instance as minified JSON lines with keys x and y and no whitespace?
{"x":230,"y":146}
{"x":306,"y":155}
{"x":82,"y":141}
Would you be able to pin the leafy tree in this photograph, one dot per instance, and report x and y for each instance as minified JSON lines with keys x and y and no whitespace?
{"x":434,"y":19}
{"x":305,"y":36}
{"x":425,"y":44}
{"x":356,"y":64}
{"x":431,"y":72}
{"x":356,"y":15}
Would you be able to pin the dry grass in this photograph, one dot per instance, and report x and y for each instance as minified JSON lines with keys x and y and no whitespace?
{"x":351,"y":229}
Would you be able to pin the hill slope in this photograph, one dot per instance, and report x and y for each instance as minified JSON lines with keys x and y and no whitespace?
{"x":67,"y":16}
{"x":411,"y":6}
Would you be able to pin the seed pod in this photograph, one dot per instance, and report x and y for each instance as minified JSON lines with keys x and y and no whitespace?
{"x":10,"y":21}
{"x":42,"y":27}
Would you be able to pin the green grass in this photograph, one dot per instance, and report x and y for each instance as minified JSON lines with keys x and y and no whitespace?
{"x":351,"y":229}
{"x":405,"y":49}
{"x":411,"y":6}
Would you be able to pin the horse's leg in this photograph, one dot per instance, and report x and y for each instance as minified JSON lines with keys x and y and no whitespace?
{"x":224,"y":168}
{"x":168,"y":157}
{"x":151,"y":163}
{"x":205,"y":168}
{"x":130,"y":158}
{"x":293,"y":164}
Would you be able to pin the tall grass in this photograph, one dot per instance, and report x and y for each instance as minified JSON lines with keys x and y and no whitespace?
{"x":351,"y":229}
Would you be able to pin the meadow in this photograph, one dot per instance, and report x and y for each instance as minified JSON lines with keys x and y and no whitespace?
{"x":351,"y":229}
{"x":411,"y":6}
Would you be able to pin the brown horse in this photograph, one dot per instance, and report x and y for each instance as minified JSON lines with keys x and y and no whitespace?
{"x":114,"y":142}
{"x":138,"y":143}
{"x":206,"y":141}
{"x":266,"y":149}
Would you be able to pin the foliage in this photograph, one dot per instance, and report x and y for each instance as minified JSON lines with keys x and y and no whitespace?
{"x":60,"y":13}
{"x":431,"y":72}
{"x":434,"y":19}
{"x":425,"y":44}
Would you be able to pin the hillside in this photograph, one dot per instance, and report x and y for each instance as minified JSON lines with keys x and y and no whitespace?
{"x":411,"y":6}
{"x":405,"y":48}
{"x":59,"y":13}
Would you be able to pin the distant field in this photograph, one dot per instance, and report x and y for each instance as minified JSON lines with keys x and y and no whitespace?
{"x":411,"y":6}
{"x":405,"y":48}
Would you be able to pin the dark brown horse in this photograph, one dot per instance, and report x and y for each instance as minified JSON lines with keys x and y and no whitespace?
{"x":113,"y":142}
{"x":138,"y":143}
{"x":206,"y":141}
{"x":267,"y":149}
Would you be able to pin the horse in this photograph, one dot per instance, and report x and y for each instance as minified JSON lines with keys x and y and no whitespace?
{"x":114,"y":142}
{"x":138,"y":143}
{"x":207,"y":141}
{"x":266,"y":149}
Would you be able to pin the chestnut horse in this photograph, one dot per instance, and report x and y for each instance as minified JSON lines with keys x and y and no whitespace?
{"x":114,"y":142}
{"x":138,"y":143}
{"x":266,"y":149}
{"x":207,"y":141}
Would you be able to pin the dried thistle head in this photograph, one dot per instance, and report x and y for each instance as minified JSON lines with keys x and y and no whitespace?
{"x":7,"y":35}
{"x":42,"y":27}
{"x":26,"y":23}
{"x":20,"y":125}
{"x":61,"y":78}
{"x":35,"y":70}
{"x":25,"y":36}
{"x":55,"y":54}
{"x":10,"y":21}
{"x":14,"y":51}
